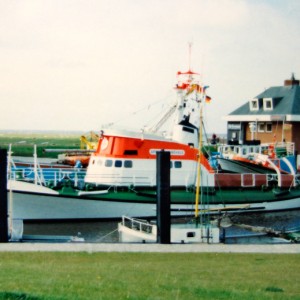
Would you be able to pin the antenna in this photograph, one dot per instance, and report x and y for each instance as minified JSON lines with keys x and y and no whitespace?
{"x":190,"y":54}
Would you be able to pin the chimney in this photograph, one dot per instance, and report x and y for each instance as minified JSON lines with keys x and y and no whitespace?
{"x":291,"y":81}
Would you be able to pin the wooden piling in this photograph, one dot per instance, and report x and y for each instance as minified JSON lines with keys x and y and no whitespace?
{"x":163,"y":197}
{"x":3,"y":197}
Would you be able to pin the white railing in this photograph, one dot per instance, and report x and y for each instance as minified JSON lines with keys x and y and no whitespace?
{"x":49,"y":176}
{"x":280,"y":149}
{"x":139,"y":225}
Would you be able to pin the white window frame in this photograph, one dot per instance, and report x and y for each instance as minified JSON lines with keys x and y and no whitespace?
{"x":259,"y":125}
{"x":254,"y":105}
{"x":269,"y":123}
{"x":265,"y":103}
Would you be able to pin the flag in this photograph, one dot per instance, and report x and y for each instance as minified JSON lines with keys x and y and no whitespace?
{"x":197,"y":88}
{"x":194,"y":87}
{"x":204,"y":88}
{"x":207,"y":99}
{"x":183,"y":86}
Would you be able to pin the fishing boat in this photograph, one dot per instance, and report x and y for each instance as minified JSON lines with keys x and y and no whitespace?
{"x":133,"y":230}
{"x":121,"y":175}
{"x":254,"y":157}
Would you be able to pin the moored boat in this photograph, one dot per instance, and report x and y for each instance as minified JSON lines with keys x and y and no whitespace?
{"x":121,"y":175}
{"x":141,"y":231}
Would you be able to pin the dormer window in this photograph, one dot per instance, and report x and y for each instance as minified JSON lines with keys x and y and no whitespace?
{"x":268,"y":104}
{"x":254,"y":104}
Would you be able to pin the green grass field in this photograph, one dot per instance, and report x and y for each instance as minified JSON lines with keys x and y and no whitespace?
{"x":53,"y":276}
{"x":23,"y":143}
{"x":149,"y":276}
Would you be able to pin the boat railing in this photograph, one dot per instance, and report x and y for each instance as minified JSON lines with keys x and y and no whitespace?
{"x":280,"y":149}
{"x":255,"y":180}
{"x":139,"y":225}
{"x":47,"y":176}
{"x":297,"y":179}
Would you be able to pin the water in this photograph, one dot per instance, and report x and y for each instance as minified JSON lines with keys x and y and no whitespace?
{"x":276,"y":221}
{"x":91,"y":231}
{"x":106,"y":231}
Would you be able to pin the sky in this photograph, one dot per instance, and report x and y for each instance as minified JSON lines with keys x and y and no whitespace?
{"x":85,"y":64}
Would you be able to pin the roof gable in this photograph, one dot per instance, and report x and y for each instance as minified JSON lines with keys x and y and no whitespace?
{"x":286,"y":100}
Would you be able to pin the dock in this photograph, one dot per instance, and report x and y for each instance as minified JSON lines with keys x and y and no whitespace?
{"x":150,"y":248}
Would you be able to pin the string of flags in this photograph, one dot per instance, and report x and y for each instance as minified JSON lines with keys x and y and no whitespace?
{"x":207,"y":98}
{"x":197,"y":88}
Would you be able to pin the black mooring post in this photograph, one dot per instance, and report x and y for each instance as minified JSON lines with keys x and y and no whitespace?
{"x":3,"y":197}
{"x":163,"y":197}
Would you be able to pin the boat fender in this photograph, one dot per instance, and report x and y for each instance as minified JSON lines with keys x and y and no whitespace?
{"x":68,"y":183}
{"x":271,"y":151}
{"x":89,"y":187}
{"x":78,"y":164}
{"x":279,"y":192}
{"x":50,"y":184}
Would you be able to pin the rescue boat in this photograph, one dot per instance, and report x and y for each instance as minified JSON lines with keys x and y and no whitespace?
{"x":121,"y":174}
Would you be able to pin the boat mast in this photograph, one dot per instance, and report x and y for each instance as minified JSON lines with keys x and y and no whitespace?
{"x":198,"y":182}
{"x":190,"y":55}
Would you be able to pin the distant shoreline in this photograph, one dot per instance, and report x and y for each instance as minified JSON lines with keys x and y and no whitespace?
{"x":27,"y":131}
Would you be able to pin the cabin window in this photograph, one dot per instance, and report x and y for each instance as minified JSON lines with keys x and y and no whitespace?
{"x":130,"y":152}
{"x":187,"y":129}
{"x":190,"y":234}
{"x":254,"y":104}
{"x":118,"y":163}
{"x":108,"y":163}
{"x":177,"y":164}
{"x":99,"y":162}
{"x":261,"y":127}
{"x":269,"y":127}
{"x":93,"y":161}
{"x":128,"y":164}
{"x":171,"y":164}
{"x":268,"y":104}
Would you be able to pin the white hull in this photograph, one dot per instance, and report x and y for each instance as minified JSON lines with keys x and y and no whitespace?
{"x":44,"y":207}
{"x":137,"y":231}
{"x":48,"y":207}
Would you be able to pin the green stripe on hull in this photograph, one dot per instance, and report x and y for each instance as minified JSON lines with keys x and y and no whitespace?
{"x":184,"y":196}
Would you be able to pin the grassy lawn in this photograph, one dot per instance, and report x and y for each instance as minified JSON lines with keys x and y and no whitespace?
{"x":22,"y":144}
{"x":149,"y":276}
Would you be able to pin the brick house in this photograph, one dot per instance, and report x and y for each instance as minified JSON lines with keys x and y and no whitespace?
{"x":272,"y":116}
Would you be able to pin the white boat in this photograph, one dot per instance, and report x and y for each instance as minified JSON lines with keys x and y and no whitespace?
{"x":121,"y":175}
{"x":140,"y":231}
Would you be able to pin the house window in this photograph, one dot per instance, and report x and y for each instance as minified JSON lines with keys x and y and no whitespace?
{"x":268,"y":104}
{"x":261,"y":127}
{"x":269,"y":127}
{"x":254,"y":104}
